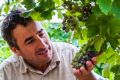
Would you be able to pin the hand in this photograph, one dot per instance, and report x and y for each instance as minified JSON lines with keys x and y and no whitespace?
{"x":85,"y":73}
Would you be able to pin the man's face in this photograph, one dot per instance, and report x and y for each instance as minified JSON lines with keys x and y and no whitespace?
{"x":34,"y":44}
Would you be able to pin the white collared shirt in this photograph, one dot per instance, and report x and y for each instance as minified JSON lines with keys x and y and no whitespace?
{"x":15,"y":68}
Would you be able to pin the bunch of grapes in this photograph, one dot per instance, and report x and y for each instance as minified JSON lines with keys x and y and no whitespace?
{"x":71,"y":21}
{"x":69,"y":5}
{"x":86,"y":53}
{"x":87,"y":56}
{"x":86,"y":12}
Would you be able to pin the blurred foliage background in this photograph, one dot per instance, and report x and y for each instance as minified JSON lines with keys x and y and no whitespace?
{"x":96,"y":20}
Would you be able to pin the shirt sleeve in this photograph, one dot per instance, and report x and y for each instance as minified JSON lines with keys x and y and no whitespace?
{"x":1,"y":75}
{"x":98,"y":77}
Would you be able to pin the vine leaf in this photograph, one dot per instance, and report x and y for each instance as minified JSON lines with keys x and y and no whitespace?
{"x":114,"y":26}
{"x":36,"y":15}
{"x":116,"y":69}
{"x":105,"y":5}
{"x":6,"y":8}
{"x":45,"y":8}
{"x":59,"y":2}
{"x":106,"y":71}
{"x":114,"y":43}
{"x":116,"y":8}
{"x":93,"y":27}
{"x":98,"y":43}
{"x":29,"y":3}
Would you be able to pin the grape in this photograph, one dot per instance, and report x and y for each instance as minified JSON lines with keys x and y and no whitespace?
{"x":63,"y":27}
{"x":92,"y":54}
{"x":85,"y":57}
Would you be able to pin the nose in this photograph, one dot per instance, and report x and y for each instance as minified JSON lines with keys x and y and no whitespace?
{"x":41,"y":42}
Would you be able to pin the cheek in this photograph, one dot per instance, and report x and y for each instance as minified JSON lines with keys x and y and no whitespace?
{"x":47,"y":40}
{"x":28,"y":52}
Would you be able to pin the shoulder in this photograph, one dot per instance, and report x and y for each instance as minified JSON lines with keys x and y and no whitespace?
{"x":64,"y":46}
{"x":8,"y":68}
{"x":66,"y":51}
{"x":9,"y":62}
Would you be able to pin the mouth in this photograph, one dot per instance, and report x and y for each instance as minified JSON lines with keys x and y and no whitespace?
{"x":43,"y":52}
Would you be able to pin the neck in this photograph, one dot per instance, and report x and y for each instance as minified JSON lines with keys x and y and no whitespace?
{"x":43,"y":67}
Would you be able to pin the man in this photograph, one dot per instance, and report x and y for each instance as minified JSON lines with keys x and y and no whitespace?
{"x":35,"y":56}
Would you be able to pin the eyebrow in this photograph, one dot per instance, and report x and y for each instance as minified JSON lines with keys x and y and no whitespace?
{"x":27,"y":39}
{"x":30,"y":38}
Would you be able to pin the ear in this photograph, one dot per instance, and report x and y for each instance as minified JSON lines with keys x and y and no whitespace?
{"x":16,"y":51}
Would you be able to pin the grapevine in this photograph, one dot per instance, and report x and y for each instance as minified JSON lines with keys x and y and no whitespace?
{"x":98,"y":20}
{"x":71,"y":22}
{"x":81,"y":12}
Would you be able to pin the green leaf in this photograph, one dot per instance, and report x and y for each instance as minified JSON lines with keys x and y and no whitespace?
{"x":105,"y":28}
{"x":117,"y":77}
{"x":106,"y":70}
{"x":26,"y":14}
{"x":76,"y":0}
{"x":105,"y":5}
{"x":29,"y":4}
{"x":47,"y":14}
{"x":112,"y":59}
{"x":59,"y":2}
{"x":45,"y":8}
{"x":41,"y":6}
{"x":114,"y":43}
{"x":59,"y":14}
{"x":101,"y":58}
{"x":104,"y":46}
{"x":109,"y":52}
{"x":6,"y":8}
{"x":116,"y":8}
{"x":105,"y":56}
{"x":116,"y":69}
{"x":98,"y":43}
{"x":96,"y":11}
{"x":93,"y":30}
{"x":114,"y":26}
{"x":112,"y":75}
{"x":87,"y":1}
{"x":36,"y":15}
{"x":93,"y":26}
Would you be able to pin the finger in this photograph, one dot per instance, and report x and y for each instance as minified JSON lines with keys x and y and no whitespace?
{"x":94,"y":60}
{"x":77,"y":72}
{"x":90,"y":66}
{"x":83,"y":70}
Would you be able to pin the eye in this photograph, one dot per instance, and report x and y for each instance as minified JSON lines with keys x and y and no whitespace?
{"x":30,"y":41}
{"x":41,"y":33}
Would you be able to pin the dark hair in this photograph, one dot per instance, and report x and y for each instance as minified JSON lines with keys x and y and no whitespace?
{"x":9,"y":24}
